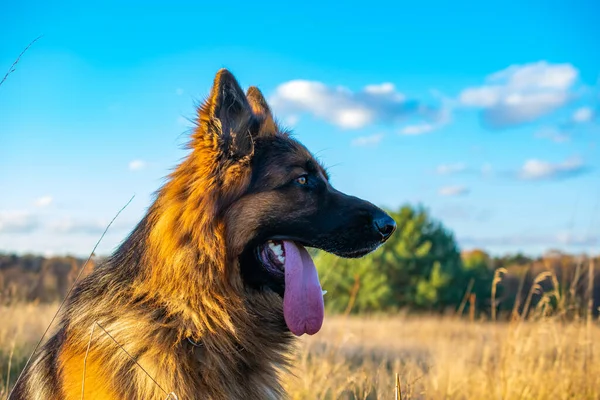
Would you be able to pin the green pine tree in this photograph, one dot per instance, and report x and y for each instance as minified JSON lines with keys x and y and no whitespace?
{"x":419,"y":267}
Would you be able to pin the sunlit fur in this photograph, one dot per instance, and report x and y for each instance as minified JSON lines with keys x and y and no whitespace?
{"x":173,"y":278}
{"x":191,"y":309}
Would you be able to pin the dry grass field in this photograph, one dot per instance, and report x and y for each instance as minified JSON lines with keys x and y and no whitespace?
{"x":435,"y":357}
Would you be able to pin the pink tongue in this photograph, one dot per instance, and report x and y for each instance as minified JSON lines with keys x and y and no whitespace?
{"x":303,"y":306}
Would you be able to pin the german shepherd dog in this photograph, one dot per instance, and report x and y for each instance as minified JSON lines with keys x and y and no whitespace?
{"x":204,"y":297}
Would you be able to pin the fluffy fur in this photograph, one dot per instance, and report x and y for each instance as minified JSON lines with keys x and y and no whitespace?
{"x":185,"y":294}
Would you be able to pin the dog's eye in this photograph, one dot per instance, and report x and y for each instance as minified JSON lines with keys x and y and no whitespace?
{"x":302,"y":180}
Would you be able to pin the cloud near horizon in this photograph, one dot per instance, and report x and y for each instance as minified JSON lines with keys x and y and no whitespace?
{"x":16,"y":221}
{"x":43,"y":201}
{"x":68,"y":226}
{"x":557,"y":239}
{"x":534,"y":169}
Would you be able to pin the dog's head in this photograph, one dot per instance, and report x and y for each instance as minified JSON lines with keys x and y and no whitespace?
{"x":276,"y":199}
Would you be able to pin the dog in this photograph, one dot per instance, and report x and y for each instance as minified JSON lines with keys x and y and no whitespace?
{"x":205,"y":296}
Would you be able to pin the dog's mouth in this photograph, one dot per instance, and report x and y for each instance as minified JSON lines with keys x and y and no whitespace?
{"x":290,"y":264}
{"x":272,"y":256}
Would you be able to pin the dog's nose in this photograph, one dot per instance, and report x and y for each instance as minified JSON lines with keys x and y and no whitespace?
{"x":385,"y":226}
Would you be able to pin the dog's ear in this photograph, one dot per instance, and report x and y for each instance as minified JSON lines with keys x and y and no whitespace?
{"x":261,"y":108}
{"x":228,"y":115}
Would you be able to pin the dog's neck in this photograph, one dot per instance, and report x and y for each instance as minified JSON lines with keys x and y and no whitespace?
{"x":207,"y":334}
{"x":180,"y":247}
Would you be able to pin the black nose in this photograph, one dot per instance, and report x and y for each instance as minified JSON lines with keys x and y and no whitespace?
{"x":385,"y":225}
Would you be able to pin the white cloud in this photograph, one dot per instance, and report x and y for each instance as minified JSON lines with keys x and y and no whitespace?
{"x":417,"y":129}
{"x":367,"y":140}
{"x":70,"y":226}
{"x":568,"y":238}
{"x":17,"y":222}
{"x":583,"y":114}
{"x":43,"y":201}
{"x":345,"y":108}
{"x":535,"y":169}
{"x":539,"y":75}
{"x":386,"y":88}
{"x":446,"y":169}
{"x":457,"y":190}
{"x":521,"y":93}
{"x":179,"y":91}
{"x":552,"y":134}
{"x":137,"y":165}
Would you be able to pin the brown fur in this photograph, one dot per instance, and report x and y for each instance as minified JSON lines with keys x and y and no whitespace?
{"x":178,"y":277}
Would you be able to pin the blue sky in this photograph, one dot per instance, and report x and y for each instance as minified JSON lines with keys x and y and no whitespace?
{"x":487,"y":113}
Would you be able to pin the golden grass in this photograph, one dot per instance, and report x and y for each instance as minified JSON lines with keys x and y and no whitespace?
{"x":21,"y":326}
{"x":435,"y":357}
{"x":447,"y":358}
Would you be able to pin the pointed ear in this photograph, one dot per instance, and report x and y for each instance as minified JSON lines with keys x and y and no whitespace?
{"x":228,"y":115}
{"x":261,"y":108}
